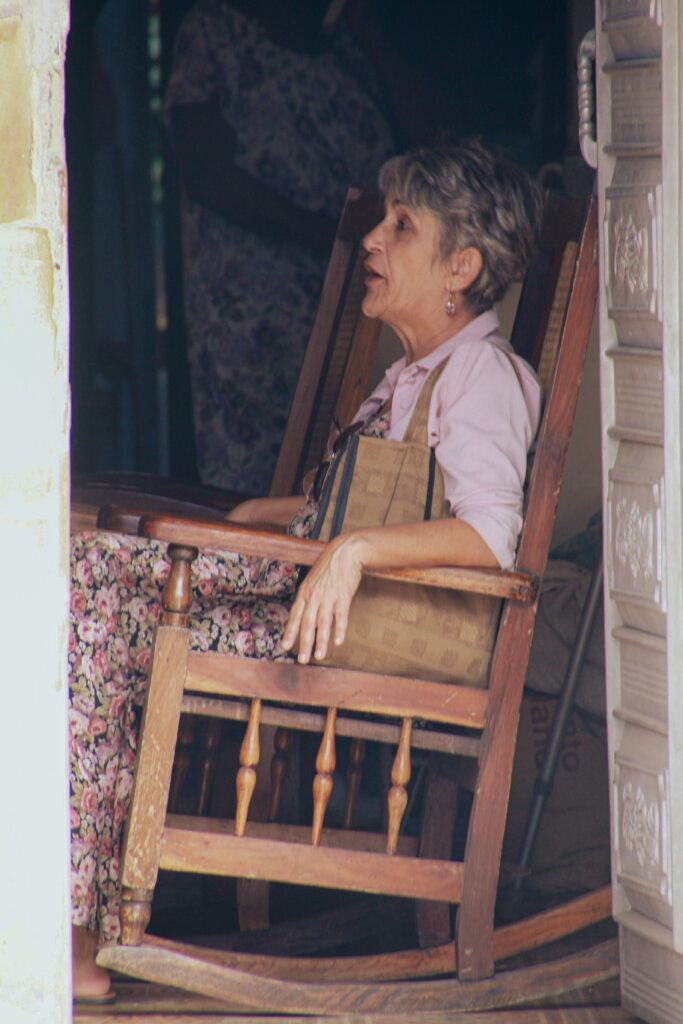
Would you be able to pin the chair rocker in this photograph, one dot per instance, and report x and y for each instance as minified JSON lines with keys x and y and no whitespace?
{"x":479,"y":725}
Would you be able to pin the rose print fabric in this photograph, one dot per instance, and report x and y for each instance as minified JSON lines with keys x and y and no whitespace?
{"x":240,"y":606}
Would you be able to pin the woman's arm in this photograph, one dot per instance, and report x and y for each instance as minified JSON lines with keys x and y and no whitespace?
{"x":266,"y":511}
{"x":321,"y":607}
{"x":205,"y":146}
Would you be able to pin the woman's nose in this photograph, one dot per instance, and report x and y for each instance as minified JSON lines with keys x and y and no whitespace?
{"x":373,"y":240}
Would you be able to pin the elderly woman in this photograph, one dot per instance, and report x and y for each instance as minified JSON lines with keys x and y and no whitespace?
{"x":458,"y":228}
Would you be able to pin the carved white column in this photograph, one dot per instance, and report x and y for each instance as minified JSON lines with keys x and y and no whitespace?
{"x":638,"y":71}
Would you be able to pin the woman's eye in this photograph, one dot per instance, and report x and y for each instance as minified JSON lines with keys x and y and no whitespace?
{"x":401,"y":224}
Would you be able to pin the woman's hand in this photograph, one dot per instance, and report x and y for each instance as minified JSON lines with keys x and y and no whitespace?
{"x":266,"y":512}
{"x":321,"y":608}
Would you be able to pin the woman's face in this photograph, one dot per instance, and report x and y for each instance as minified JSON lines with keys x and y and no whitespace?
{"x":406,"y":279}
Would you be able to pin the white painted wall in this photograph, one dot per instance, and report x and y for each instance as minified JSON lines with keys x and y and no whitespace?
{"x":34,"y":421}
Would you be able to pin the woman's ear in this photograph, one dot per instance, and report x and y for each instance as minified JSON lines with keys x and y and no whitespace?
{"x":465,"y":267}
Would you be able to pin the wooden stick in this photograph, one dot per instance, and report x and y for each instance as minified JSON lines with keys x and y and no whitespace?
{"x":322,"y":784}
{"x":177,"y":594}
{"x":282,"y":742}
{"x":398,"y":794}
{"x":353,"y":779}
{"x":246,"y":776}
{"x":209,"y":746}
{"x":181,"y":762}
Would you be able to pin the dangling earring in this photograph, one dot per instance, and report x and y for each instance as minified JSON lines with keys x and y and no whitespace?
{"x":449,"y":305}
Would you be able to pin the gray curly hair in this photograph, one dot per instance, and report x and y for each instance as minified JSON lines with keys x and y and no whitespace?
{"x":479,"y":200}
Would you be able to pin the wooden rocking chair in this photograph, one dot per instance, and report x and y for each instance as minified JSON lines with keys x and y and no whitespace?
{"x":473,"y":724}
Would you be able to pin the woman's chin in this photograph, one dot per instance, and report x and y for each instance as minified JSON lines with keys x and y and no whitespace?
{"x":371,"y":307}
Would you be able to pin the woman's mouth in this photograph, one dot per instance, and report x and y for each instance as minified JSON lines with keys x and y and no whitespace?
{"x":371,"y":275}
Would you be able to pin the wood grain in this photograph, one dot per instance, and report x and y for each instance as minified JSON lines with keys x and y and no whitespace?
{"x":311,"y":721}
{"x":312,"y":686}
{"x":208,"y":534}
{"x":205,"y":851}
{"x":158,"y":733}
{"x":474,"y":922}
{"x":266,"y":994}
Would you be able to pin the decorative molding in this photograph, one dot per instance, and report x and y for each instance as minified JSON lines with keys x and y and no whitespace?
{"x":651,"y":976}
{"x":631,"y":261}
{"x":640,"y":826}
{"x":632,"y":8}
{"x":634,"y":27}
{"x":635,"y":536}
{"x":643,"y":677}
{"x":639,"y":394}
{"x":631,"y":246}
{"x":642,"y":829}
{"x":634,"y":533}
{"x":636,"y":99}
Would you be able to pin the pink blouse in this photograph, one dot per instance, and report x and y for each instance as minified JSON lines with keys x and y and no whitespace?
{"x":481,"y":424}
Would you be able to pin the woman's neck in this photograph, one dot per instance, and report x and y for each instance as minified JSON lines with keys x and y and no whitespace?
{"x":419,"y":340}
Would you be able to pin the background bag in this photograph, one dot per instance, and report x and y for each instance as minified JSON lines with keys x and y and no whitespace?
{"x":403,"y":628}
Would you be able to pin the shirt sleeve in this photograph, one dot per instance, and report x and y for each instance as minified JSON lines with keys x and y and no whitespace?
{"x":482,"y":429}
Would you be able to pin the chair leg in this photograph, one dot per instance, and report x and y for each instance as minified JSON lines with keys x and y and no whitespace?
{"x":439,"y":811}
{"x":474,"y":919}
{"x":551,"y":755}
{"x":142,"y":843}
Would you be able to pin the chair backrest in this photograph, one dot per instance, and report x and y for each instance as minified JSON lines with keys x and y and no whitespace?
{"x":543,"y":299}
{"x":341,"y":351}
{"x":333,"y":379}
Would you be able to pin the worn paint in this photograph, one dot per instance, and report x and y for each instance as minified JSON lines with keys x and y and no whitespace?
{"x":34,"y":487}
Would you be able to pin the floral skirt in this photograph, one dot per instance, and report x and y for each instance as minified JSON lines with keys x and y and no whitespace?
{"x":240,"y":606}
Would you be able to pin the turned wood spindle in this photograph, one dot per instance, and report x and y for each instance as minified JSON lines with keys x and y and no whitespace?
{"x":209,"y":745}
{"x":246,"y":776}
{"x":181,"y":763}
{"x":322,"y":784}
{"x":177,"y":595}
{"x":400,"y":777}
{"x":279,"y":766}
{"x":354,"y":775}
{"x":135,"y":912}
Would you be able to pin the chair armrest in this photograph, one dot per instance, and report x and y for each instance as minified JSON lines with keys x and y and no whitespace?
{"x":117,"y":501}
{"x":516,"y":586}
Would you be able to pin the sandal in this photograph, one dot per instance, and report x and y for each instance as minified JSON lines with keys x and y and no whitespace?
{"x":96,"y":1000}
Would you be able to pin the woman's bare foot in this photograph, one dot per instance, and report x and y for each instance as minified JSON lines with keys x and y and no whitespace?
{"x":89,"y":980}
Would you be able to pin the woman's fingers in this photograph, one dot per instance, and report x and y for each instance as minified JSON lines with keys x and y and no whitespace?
{"x":320,"y":611}
{"x":293,"y":622}
{"x":311,"y":631}
{"x":341,"y":622}
{"x":323,"y":628}
{"x":312,"y":619}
